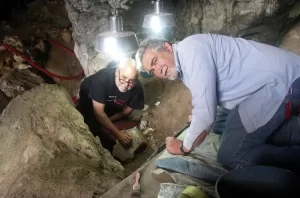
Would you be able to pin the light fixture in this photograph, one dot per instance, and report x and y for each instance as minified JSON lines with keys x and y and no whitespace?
{"x":116,"y":43}
{"x":159,"y":19}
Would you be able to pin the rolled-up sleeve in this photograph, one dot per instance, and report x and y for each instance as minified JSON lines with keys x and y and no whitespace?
{"x":201,"y":77}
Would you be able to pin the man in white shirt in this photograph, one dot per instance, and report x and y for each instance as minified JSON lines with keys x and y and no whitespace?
{"x":256,"y":83}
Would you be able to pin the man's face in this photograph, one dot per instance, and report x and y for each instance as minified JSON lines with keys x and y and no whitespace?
{"x":161,"y":63}
{"x":125,"y":79}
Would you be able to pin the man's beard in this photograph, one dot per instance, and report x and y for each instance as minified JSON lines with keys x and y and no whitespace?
{"x":173,"y":75}
{"x":123,"y":89}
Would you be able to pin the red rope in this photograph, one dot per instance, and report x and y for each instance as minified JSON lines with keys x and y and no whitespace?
{"x":17,"y":52}
{"x":60,"y":46}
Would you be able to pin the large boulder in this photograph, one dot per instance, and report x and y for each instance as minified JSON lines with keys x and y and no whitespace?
{"x":47,"y":150}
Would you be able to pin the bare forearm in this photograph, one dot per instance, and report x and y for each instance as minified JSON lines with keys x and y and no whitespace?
{"x":126,"y":111}
{"x":107,"y":123}
{"x":117,"y":116}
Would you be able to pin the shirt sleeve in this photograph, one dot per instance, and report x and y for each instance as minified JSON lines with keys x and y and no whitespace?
{"x":97,"y":90}
{"x":201,"y":76}
{"x":137,"y":98}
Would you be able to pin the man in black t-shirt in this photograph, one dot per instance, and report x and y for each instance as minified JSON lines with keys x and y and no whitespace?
{"x":110,"y":95}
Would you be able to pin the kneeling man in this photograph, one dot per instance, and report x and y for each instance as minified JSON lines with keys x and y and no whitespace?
{"x":107,"y":98}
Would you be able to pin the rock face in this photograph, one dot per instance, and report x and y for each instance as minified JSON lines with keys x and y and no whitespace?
{"x":261,"y":20}
{"x":16,"y":77}
{"x":90,"y":17}
{"x":17,"y":81}
{"x":46,"y":149}
{"x":291,"y":41}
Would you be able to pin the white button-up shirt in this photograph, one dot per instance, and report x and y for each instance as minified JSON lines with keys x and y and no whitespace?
{"x":231,"y":72}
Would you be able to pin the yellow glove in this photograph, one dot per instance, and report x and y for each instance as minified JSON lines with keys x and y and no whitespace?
{"x":193,"y":192}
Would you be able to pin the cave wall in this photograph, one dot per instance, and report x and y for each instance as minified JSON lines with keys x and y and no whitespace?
{"x":261,"y":20}
{"x":90,"y":17}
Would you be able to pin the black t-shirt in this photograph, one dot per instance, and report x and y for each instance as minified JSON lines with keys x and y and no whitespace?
{"x":101,"y":87}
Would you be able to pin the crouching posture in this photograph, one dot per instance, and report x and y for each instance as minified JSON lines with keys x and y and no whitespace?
{"x":258,"y":84}
{"x":107,"y":98}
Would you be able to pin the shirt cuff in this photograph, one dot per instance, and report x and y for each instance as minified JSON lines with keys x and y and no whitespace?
{"x":188,"y":143}
{"x":189,"y":139}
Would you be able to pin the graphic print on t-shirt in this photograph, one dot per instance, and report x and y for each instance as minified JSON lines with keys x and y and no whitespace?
{"x":114,"y":101}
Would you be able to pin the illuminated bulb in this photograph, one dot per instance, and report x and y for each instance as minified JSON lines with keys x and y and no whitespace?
{"x":155,"y":24}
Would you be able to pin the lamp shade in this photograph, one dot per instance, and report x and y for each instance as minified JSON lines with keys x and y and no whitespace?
{"x":159,"y":21}
{"x":116,"y":42}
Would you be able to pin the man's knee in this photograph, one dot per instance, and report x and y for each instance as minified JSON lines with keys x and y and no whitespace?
{"x":225,"y":155}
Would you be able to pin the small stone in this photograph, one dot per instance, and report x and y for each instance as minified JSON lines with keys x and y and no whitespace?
{"x":144,"y":121}
{"x":138,"y":144}
{"x":143,"y":124}
{"x":146,"y":107}
{"x":66,"y":35}
{"x":23,"y":66}
{"x":148,"y":130}
{"x":18,"y":59}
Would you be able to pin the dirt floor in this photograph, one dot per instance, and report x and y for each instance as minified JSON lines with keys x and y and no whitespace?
{"x":166,"y":118}
{"x":169,"y":101}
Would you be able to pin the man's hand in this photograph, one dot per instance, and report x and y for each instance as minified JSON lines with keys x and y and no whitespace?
{"x":124,"y":138}
{"x":173,"y":146}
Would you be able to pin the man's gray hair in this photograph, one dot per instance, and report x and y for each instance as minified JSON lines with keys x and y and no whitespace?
{"x":152,"y":44}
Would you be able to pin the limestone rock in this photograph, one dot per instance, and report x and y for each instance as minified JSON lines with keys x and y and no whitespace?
{"x":6,"y":63}
{"x":90,"y":18}
{"x":47,"y":150}
{"x":15,"y":42}
{"x":138,"y":143}
{"x":147,"y":130}
{"x":291,"y":40}
{"x":41,"y":11}
{"x":260,"y":20}
{"x":97,"y":63}
{"x":66,"y":35}
{"x":144,"y":121}
{"x":15,"y":82}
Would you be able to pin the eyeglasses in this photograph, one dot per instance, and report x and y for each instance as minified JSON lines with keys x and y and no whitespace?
{"x":124,"y":80}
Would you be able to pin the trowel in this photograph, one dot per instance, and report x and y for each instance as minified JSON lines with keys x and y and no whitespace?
{"x":136,"y":188}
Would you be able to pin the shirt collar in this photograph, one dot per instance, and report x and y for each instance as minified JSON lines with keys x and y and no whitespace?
{"x":176,"y":59}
